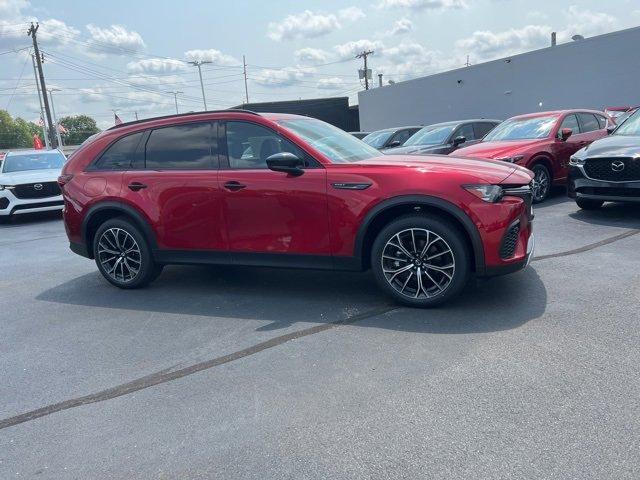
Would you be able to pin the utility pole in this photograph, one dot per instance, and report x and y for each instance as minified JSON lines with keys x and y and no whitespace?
{"x":44,"y":128}
{"x":379,"y":79}
{"x":199,"y":63}
{"x":55,"y":121}
{"x":468,"y":64}
{"x":246,"y":90}
{"x":33,"y":29}
{"x":136,"y":114}
{"x":364,"y":56}
{"x":175,"y":97}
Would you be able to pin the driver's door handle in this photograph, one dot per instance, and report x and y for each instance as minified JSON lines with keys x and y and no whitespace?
{"x":234,"y":186}
{"x":136,"y":186}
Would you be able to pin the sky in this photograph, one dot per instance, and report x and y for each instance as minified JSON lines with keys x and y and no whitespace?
{"x":130,"y":56}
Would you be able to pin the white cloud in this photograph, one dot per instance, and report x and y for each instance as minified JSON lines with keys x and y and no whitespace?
{"x":351,"y":14}
{"x":311,"y":56}
{"x":12,"y":8}
{"x":303,"y":25}
{"x":412,"y":59}
{"x":399,"y":27}
{"x":331,"y":83}
{"x":351,"y":49}
{"x":284,"y":77}
{"x":114,"y":40}
{"x":487,"y":44}
{"x":424,"y":4}
{"x":156,"y":65}
{"x":586,"y":23}
{"x":211,"y":55}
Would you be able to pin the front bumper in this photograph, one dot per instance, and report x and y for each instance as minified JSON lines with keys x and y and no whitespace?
{"x":11,"y":205}
{"x":580,"y":186}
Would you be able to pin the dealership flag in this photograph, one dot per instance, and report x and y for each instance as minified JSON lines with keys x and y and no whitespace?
{"x":117,"y":118}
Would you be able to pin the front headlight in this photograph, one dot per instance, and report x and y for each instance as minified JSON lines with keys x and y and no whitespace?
{"x":488,"y":193}
{"x":514,"y":159}
{"x":576,"y":161}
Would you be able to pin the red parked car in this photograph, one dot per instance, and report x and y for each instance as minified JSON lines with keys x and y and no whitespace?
{"x":236,"y":187}
{"x":542,"y":142}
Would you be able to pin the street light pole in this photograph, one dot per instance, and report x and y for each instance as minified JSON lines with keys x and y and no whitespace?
{"x":175,"y":97}
{"x":199,"y":63}
{"x":55,"y":120}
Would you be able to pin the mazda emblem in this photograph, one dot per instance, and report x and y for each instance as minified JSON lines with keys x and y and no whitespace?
{"x":617,"y":165}
{"x":37,"y":186}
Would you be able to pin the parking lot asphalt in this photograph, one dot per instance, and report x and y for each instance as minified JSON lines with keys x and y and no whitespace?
{"x":230,"y":372}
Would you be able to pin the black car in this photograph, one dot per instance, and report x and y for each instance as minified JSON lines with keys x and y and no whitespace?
{"x":359,"y":135}
{"x":608,"y":170}
{"x":444,"y":138}
{"x":390,"y":137}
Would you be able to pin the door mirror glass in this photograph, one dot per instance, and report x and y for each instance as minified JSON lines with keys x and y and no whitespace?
{"x":459,"y":140}
{"x":565,"y":133}
{"x":610,"y":128}
{"x":285,"y":162}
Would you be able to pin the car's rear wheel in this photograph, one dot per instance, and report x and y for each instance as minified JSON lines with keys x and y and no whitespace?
{"x":420,"y":261}
{"x":589,"y":204}
{"x":541,"y":183}
{"x":123,"y":255}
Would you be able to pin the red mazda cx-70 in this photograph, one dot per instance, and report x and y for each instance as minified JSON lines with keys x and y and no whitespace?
{"x":278,"y":190}
{"x":543,"y":142}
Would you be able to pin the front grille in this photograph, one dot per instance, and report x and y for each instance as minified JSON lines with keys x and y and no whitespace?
{"x":610,"y":192}
{"x":609,"y":169}
{"x":509,"y":241}
{"x":4,"y":203}
{"x":37,"y":190}
{"x":29,"y":206}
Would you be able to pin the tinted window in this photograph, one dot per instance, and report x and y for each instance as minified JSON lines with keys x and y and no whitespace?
{"x":182,"y":147}
{"x":465,"y":131}
{"x":121,"y":154}
{"x":402,"y":136}
{"x":483,"y":128}
{"x":570,"y":121}
{"x":588,"y":122}
{"x":602,"y":121}
{"x":249,"y":145}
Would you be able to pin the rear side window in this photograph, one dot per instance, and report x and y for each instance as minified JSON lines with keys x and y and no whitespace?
{"x":483,"y":128}
{"x":181,"y":147}
{"x":588,"y":122}
{"x":602,"y":121}
{"x":121,"y":154}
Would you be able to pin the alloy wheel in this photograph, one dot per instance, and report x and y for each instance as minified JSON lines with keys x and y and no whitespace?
{"x":418,"y":263}
{"x":119,"y":255}
{"x":541,"y":183}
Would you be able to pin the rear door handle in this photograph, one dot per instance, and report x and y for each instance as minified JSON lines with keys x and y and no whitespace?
{"x":234,"y":186}
{"x":136,"y":186}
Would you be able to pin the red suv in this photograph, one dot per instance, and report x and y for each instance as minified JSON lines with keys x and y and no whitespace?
{"x":277,"y":190}
{"x":543,"y":142}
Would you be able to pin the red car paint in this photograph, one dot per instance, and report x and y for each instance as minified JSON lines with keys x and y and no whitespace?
{"x":192,"y":211}
{"x":551,"y":150}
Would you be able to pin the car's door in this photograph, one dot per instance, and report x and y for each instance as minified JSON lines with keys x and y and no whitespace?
{"x":563,"y":149}
{"x":269,"y":212}
{"x":176,"y":186}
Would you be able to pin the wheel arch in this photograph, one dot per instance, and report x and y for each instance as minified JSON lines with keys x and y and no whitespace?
{"x":544,"y":159}
{"x":103,"y":211}
{"x":388,"y":210}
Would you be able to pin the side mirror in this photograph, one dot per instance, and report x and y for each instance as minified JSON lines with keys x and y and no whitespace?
{"x":610,"y":128}
{"x":395,"y":143}
{"x":285,"y":162}
{"x":565,"y":133}
{"x":459,"y":140}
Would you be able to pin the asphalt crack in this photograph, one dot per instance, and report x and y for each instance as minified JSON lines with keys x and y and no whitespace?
{"x":591,"y":246}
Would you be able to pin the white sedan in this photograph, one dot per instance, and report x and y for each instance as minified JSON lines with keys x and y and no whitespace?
{"x":28,"y":182}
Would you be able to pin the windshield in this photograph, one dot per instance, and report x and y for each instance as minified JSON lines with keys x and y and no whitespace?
{"x":631,"y":125}
{"x":33,"y":161}
{"x":522,"y":128}
{"x":338,"y":145}
{"x":377,"y":139}
{"x":431,"y":135}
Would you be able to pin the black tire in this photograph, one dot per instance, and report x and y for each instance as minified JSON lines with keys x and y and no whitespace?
{"x":438,"y":286}
{"x":588,"y":204}
{"x":147,"y":270}
{"x":541,"y":174}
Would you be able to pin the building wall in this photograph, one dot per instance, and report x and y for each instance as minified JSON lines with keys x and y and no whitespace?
{"x":592,"y":73}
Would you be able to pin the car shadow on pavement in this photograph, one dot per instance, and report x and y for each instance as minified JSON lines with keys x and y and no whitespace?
{"x":31,"y":218}
{"x":610,"y":215}
{"x":286,"y":297}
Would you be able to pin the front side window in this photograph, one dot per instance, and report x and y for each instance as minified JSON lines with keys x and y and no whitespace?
{"x":378,"y":139}
{"x":181,"y":147}
{"x":631,"y":126}
{"x":33,"y":161}
{"x":337,"y":145}
{"x":465,"y":131}
{"x":522,"y":129}
{"x":588,"y":122}
{"x":121,"y":154}
{"x":402,"y":136}
{"x":570,"y":121}
{"x":249,"y":145}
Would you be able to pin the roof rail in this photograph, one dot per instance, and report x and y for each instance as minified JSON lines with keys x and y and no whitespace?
{"x":177,"y":115}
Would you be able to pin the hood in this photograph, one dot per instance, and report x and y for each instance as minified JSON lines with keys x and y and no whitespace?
{"x":30,"y":176}
{"x":488,"y":171}
{"x":498,"y":149}
{"x":613,"y":146}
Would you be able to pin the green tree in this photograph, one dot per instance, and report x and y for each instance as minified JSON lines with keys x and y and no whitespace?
{"x":14,"y":134}
{"x":79,"y":128}
{"x":32,"y":127}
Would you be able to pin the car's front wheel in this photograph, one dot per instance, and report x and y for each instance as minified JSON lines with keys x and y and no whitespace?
{"x":420,"y":261}
{"x":123,"y":255}
{"x":541,"y":183}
